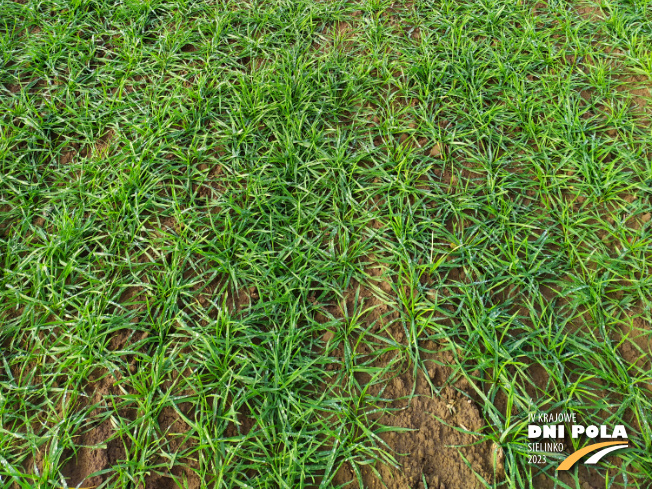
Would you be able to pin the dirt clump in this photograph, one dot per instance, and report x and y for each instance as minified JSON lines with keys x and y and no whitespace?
{"x":89,"y":458}
{"x":440,"y":437}
{"x":434,"y":442}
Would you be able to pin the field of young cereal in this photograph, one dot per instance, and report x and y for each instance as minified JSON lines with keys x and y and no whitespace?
{"x":322,"y":244}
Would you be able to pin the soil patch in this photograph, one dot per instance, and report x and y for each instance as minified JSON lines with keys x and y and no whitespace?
{"x":433,"y":453}
{"x":434,"y":442}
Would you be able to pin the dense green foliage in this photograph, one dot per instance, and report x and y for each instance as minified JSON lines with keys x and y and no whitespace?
{"x":162,"y":161}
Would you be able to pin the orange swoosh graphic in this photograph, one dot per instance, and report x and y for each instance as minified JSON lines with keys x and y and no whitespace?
{"x":571,"y":459}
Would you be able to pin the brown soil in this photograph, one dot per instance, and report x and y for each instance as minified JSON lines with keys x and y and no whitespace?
{"x":433,"y":451}
{"x":590,"y":12}
{"x":440,"y":424}
{"x":89,"y":458}
{"x":99,"y":449}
